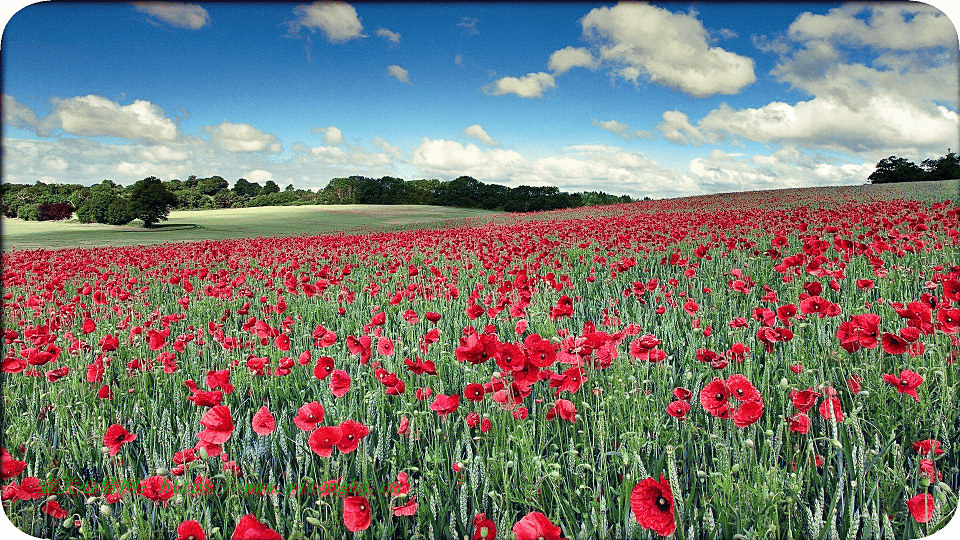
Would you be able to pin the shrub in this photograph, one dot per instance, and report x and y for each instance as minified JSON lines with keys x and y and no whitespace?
{"x":55,"y":211}
{"x":29,"y":212}
{"x":118,"y":213}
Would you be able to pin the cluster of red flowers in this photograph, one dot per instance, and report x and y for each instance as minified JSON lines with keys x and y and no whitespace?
{"x":714,"y":397}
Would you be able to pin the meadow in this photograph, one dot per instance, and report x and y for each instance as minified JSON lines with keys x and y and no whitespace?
{"x":777,"y":364}
{"x":230,"y":223}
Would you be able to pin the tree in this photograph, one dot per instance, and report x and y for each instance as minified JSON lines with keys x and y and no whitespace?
{"x":894,"y":169}
{"x":118,"y":212}
{"x":245,"y":188}
{"x":270,"y":187}
{"x":210,"y":186}
{"x":944,"y":168}
{"x":150,"y":201}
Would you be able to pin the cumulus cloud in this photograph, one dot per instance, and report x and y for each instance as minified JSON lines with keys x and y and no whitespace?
{"x":242,"y":138}
{"x":882,"y":125}
{"x":442,"y":157}
{"x":18,"y":115}
{"x":901,"y":26}
{"x":337,"y":20}
{"x":619,"y":128}
{"x":331,"y":135}
{"x":190,"y":16}
{"x":530,"y":85}
{"x":676,"y":128}
{"x":477,"y":133}
{"x":98,"y":116}
{"x":392,"y":37}
{"x":399,"y":74}
{"x":258,"y":176}
{"x":386,"y":148}
{"x":669,"y":49}
{"x":788,"y":167}
{"x":568,"y":58}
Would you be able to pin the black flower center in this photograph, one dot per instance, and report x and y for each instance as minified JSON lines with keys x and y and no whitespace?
{"x":662,"y":504}
{"x":719,"y":396}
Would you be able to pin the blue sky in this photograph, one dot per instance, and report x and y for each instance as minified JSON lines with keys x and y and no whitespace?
{"x":662,"y":99}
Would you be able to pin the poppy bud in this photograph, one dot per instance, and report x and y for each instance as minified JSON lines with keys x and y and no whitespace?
{"x":105,"y":510}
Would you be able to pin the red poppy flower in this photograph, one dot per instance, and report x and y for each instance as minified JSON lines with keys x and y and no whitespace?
{"x":10,"y":467}
{"x":248,"y":528}
{"x":220,"y":379}
{"x":54,"y":509}
{"x":831,"y":407}
{"x":926,"y":446}
{"x":432,"y":316}
{"x":929,"y":469}
{"x":30,"y":489}
{"x":157,"y":488}
{"x":309,"y":415}
{"x":356,"y":513}
{"x":713,"y":397}
{"x":444,"y":405}
{"x":351,"y":432}
{"x":339,"y":383}
{"x":748,"y":413}
{"x":893,"y":344}
{"x":678,"y":409}
{"x":483,"y":528}
{"x":906,"y":383}
{"x":804,"y":400}
{"x":473,"y":392}
{"x":652,"y":505}
{"x":263,"y":422}
{"x":218,"y":424}
{"x":682,"y":393}
{"x":536,"y":526}
{"x":799,"y":423}
{"x":323,"y":368}
{"x":408,"y":509}
{"x":404,"y":426}
{"x":564,"y":409}
{"x":921,"y":507}
{"x":853,"y":383}
{"x":741,"y":388}
{"x":385,"y":346}
{"x":117,"y":436}
{"x":323,"y":439}
{"x":190,"y":530}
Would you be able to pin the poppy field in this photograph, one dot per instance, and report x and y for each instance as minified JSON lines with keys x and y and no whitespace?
{"x":779,"y":364}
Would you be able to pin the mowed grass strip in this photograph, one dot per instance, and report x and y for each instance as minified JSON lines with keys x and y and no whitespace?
{"x":230,"y":223}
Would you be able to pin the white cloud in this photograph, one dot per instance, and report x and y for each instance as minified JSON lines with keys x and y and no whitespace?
{"x":477,"y":133}
{"x":18,"y":115}
{"x":337,"y":20}
{"x":469,"y":25}
{"x":530,"y":85}
{"x":258,"y":176}
{"x":399,"y":74}
{"x":157,"y":153}
{"x":137,"y":170}
{"x":442,"y":157}
{"x":882,"y":125}
{"x":566,"y":59}
{"x":619,"y":128}
{"x":98,"y":116}
{"x":458,"y":59}
{"x":331,"y":135}
{"x":676,"y":128}
{"x":242,"y":138}
{"x":181,"y":15}
{"x":786,"y":168}
{"x":668,"y":49}
{"x":901,"y":26}
{"x":393,"y":37}
{"x":386,"y":148}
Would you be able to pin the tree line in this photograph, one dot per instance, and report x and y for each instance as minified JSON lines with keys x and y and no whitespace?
{"x":895,"y":169}
{"x":150,"y":200}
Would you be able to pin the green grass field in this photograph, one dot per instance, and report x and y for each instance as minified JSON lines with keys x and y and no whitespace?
{"x":197,"y":225}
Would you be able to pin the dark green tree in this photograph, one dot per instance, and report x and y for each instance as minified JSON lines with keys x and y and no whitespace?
{"x":118,"y":212}
{"x":270,"y":187}
{"x":150,"y":201}
{"x":894,"y":169}
{"x":944,"y":168}
{"x":210,"y":186}
{"x":245,"y":188}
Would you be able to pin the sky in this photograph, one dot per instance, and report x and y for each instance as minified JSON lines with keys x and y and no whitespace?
{"x":659,"y":100}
